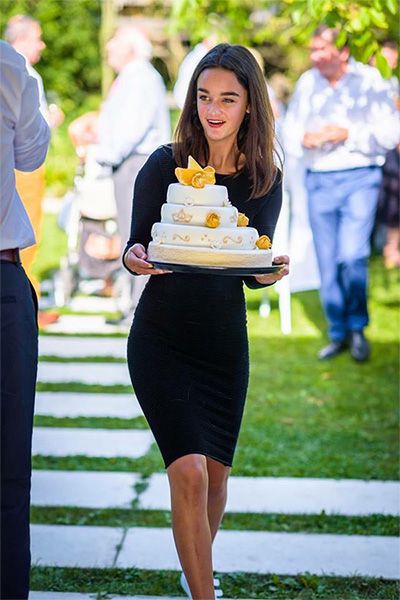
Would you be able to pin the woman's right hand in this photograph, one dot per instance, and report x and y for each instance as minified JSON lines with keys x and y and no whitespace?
{"x":135,"y":260}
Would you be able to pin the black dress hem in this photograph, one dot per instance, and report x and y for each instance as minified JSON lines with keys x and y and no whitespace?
{"x":187,"y":452}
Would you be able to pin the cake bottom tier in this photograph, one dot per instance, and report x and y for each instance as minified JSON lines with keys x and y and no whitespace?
{"x":209,"y":256}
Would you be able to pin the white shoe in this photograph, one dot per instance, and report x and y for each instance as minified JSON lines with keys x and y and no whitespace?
{"x":185,"y":587}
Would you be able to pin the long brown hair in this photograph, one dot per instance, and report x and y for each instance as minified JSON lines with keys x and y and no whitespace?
{"x":257,"y":132}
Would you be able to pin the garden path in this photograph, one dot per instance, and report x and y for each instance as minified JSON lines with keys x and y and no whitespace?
{"x":152,"y":548}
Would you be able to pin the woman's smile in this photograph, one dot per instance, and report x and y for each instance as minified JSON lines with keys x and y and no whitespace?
{"x":215,"y":123}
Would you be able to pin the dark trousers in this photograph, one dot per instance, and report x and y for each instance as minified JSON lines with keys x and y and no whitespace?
{"x":342,"y":206}
{"x":19,"y":355}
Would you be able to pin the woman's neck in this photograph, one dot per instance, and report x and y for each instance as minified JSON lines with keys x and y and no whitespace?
{"x":224,"y":158}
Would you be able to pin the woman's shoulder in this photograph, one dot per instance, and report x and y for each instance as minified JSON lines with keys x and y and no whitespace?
{"x":163,"y":154}
{"x":272,"y":197}
{"x":277,"y":183}
{"x":160,"y":166}
{"x":160,"y":161}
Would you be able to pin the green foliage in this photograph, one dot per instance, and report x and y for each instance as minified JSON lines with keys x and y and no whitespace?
{"x":363,"y":24}
{"x":229,"y":19}
{"x":288,"y":24}
{"x":71,"y":63}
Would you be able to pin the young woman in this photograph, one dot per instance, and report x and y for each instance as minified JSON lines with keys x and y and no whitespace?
{"x":188,"y":349}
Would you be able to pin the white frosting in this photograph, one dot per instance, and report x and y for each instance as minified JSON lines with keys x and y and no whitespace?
{"x":240,"y":238}
{"x":197,"y":215}
{"x":209,"y":257}
{"x":190,"y":196}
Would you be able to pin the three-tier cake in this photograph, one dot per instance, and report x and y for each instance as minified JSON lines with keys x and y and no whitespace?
{"x":199,"y":226}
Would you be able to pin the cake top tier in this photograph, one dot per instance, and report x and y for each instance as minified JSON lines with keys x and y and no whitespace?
{"x":195,"y":175}
{"x":209,"y":195}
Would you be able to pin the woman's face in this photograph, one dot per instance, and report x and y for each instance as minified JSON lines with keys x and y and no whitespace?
{"x":222,"y":103}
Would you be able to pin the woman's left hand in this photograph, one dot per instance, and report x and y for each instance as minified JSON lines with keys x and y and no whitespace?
{"x":273,"y":277}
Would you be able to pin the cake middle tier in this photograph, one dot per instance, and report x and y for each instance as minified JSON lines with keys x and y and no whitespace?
{"x":238,"y":238}
{"x":197,"y":215}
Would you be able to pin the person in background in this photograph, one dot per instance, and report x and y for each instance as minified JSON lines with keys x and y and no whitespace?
{"x":25,"y":36}
{"x":187,"y":67}
{"x":132,"y":123}
{"x":343,"y":121}
{"x":25,"y":138}
{"x":389,"y":195}
{"x":390,"y":51}
{"x":389,"y":209}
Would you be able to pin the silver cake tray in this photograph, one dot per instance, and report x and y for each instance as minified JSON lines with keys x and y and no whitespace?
{"x":202,"y":270}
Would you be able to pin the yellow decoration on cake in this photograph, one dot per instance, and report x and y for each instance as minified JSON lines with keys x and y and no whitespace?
{"x":193,"y":164}
{"x":243,"y":221}
{"x":263,"y":242}
{"x":213,"y":220}
{"x":199,"y":180}
{"x":194,"y":175}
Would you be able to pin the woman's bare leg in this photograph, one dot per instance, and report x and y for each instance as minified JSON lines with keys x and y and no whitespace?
{"x":217,"y":493}
{"x":188,"y":479}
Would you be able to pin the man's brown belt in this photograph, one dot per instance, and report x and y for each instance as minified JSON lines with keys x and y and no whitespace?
{"x":11,"y":255}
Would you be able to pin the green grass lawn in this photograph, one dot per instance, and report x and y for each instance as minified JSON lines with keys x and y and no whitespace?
{"x":235,"y":585}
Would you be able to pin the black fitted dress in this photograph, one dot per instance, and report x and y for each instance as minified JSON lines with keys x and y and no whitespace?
{"x":187,"y":348}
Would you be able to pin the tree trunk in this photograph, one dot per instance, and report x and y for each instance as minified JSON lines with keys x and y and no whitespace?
{"x":106,"y":32}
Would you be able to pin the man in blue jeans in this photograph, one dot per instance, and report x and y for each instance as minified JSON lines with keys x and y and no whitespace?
{"x":341,"y":121}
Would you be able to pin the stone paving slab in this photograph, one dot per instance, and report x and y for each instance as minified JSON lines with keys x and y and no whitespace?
{"x":268,"y":493}
{"x":266,"y":552}
{"x":293,"y":495}
{"x":248,"y":551}
{"x":71,"y":404}
{"x":75,"y":596}
{"x":68,"y":441}
{"x":83,"y":489}
{"x":93,"y":304}
{"x":66,"y":546}
{"x":88,"y":373}
{"x":81,"y":347}
{"x":89,"y":324}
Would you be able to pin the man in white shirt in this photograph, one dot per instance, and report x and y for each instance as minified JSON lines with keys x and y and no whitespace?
{"x":187,"y":67}
{"x":133,"y":121}
{"x":134,"y":118}
{"x":25,"y":137}
{"x":25,"y":36}
{"x":342,"y":122}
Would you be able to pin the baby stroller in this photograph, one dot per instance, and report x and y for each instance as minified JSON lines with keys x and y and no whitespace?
{"x":88,"y":217}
